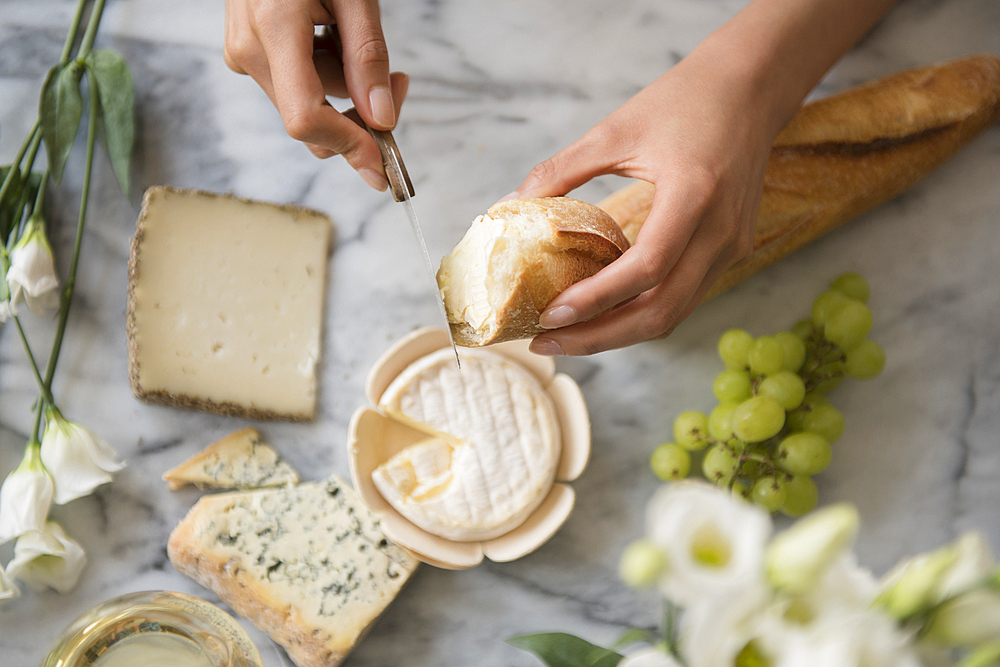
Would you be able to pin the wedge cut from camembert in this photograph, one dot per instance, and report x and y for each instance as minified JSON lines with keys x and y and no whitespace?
{"x":238,"y":461}
{"x":225,"y":304}
{"x":308,"y":564}
{"x":493,"y":449}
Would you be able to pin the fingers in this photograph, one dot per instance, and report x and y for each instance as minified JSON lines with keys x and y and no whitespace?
{"x":569,"y":168}
{"x":651,"y":314}
{"x":663,"y":238}
{"x":366,"y":62}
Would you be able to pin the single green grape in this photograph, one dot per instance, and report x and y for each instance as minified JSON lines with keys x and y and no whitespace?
{"x":769,"y":492}
{"x":751,"y":469}
{"x":641,"y":563}
{"x":757,"y":419}
{"x":766,"y":356}
{"x":741,"y":490}
{"x":786,"y":387}
{"x":801,"y":496}
{"x":734,"y":349}
{"x":804,"y":453}
{"x":719,"y":465}
{"x":833,"y":374}
{"x":853,"y":285}
{"x":848,"y":324}
{"x":825,"y":420}
{"x":803,"y":329}
{"x":691,"y":430}
{"x":720,"y":421}
{"x":824,"y":305}
{"x":732,"y":386}
{"x":670,"y":462}
{"x":796,"y":418}
{"x":865,"y":360}
{"x":794,"y":349}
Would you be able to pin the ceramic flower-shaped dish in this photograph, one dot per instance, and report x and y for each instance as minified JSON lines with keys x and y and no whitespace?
{"x":375,"y":438}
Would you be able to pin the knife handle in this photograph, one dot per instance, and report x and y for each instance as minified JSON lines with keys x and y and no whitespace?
{"x":395,"y":170}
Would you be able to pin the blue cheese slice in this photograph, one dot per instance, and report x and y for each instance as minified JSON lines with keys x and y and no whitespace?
{"x":238,"y":461}
{"x":307,"y":564}
{"x":493,"y":451}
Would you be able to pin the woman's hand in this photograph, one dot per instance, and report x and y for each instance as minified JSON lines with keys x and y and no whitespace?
{"x":275,"y":43}
{"x":702,"y":136}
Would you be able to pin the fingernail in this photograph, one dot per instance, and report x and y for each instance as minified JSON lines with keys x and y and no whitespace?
{"x":383,"y":111}
{"x":512,"y":195}
{"x":560,"y":316}
{"x":374,"y":179}
{"x":545,"y":347}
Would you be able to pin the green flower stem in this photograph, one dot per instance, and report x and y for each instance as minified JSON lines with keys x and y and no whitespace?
{"x":40,"y":195}
{"x":19,"y":213}
{"x":33,"y":436}
{"x":46,"y":395}
{"x":91,"y":34}
{"x":34,"y":134}
{"x":50,"y":368}
{"x":73,"y":28}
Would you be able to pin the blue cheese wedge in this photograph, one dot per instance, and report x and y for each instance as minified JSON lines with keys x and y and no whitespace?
{"x":307,"y":564}
{"x":493,"y":449}
{"x":238,"y":461}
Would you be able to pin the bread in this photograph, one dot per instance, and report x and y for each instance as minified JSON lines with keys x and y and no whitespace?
{"x":307,"y":564}
{"x":845,"y":154}
{"x":518,"y":257}
{"x":238,"y":461}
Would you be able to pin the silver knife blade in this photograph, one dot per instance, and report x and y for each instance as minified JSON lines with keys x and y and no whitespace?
{"x":402,"y":191}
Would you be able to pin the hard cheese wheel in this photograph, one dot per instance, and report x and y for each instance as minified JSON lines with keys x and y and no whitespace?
{"x":493,"y":448}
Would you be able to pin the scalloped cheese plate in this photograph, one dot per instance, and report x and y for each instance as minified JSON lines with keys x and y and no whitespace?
{"x":374,"y":438}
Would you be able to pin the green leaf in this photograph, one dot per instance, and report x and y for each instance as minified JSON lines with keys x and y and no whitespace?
{"x":59,"y":111}
{"x":633,"y":636}
{"x":558,"y":649}
{"x":117,"y":95}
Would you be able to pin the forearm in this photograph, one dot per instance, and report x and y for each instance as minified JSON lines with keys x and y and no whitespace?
{"x":780,"y":49}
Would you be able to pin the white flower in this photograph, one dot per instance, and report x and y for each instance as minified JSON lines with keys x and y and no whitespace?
{"x":716,"y":629}
{"x":78,"y":460}
{"x":25,"y":497}
{"x":797,"y":558}
{"x":8,"y":589}
{"x":923,"y":581}
{"x":32,"y":274}
{"x":714,"y":543}
{"x":649,"y":657}
{"x":47,"y":558}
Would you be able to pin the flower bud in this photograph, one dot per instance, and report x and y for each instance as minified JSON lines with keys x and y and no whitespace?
{"x":25,"y":496}
{"x":641,"y":564}
{"x":31,"y":277}
{"x":649,"y":657}
{"x":968,"y":620}
{"x":796,"y":559}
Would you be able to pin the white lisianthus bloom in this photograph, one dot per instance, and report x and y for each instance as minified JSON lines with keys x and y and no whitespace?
{"x":797,"y":558}
{"x":78,"y":460}
{"x":47,"y":558}
{"x":31,"y":277}
{"x":714,"y":542}
{"x":649,"y":657}
{"x":8,"y":589}
{"x":25,"y":496}
{"x":919,"y":583}
{"x":716,"y":629}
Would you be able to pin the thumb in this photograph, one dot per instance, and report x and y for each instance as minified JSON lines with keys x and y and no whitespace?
{"x":366,"y":62}
{"x":568,"y":169}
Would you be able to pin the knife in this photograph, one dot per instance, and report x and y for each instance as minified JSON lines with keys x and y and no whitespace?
{"x":402,"y":191}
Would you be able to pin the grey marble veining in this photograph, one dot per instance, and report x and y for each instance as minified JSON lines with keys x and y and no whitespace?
{"x":497,"y":87}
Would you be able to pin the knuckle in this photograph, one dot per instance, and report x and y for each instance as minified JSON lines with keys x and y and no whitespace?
{"x":543,"y":172}
{"x":371,"y":50}
{"x":302,"y":126}
{"x":652,"y":266}
{"x":237,"y":52}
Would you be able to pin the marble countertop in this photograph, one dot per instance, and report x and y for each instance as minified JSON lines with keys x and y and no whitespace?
{"x":497,"y":87}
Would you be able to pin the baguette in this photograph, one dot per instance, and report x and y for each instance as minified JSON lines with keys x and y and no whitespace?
{"x":845,"y":154}
{"x":518,"y":257}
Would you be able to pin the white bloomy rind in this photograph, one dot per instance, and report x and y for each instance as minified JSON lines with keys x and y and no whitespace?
{"x":495,"y":448}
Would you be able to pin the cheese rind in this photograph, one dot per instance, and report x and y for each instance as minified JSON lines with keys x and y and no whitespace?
{"x":307,"y":564}
{"x":238,"y":461}
{"x":225,"y":304}
{"x":495,"y":429}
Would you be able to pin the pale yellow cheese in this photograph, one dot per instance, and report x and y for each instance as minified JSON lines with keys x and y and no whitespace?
{"x":227,"y":303}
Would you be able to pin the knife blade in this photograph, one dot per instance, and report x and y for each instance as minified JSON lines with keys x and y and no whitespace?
{"x":402,"y":191}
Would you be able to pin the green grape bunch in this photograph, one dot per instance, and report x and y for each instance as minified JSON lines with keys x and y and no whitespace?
{"x":773,"y":428}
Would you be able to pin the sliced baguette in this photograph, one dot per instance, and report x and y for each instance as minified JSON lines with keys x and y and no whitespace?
{"x":845,"y":154}
{"x":515,"y":259}
{"x":238,"y":461}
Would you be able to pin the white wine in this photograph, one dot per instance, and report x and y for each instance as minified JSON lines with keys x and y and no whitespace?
{"x":154,"y":649}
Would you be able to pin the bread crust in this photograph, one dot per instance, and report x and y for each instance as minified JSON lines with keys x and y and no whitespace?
{"x":581,"y":239}
{"x":845,"y":154}
{"x":160,"y":397}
